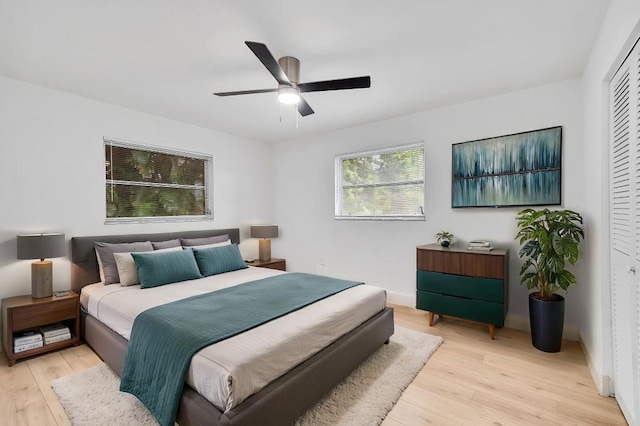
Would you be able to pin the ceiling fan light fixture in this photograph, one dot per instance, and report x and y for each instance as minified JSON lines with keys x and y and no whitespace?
{"x":286,"y":71}
{"x":289,"y":95}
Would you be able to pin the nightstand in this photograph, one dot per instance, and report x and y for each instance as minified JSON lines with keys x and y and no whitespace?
{"x":279,"y":264}
{"x":24,"y":312}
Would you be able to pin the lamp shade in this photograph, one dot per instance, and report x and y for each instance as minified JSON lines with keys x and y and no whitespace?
{"x":264,"y":231}
{"x":41,"y":246}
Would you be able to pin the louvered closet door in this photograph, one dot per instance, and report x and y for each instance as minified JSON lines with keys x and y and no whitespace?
{"x":625,"y":234}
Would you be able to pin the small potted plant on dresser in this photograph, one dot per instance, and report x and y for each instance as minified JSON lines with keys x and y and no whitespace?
{"x":444,"y":238}
{"x":548,"y":239}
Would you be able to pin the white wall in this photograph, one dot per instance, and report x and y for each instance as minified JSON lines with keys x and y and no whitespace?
{"x":52,"y":173}
{"x":620,"y":29}
{"x":383,"y":253}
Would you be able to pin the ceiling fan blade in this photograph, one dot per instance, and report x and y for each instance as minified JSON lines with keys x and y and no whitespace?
{"x":341,"y":84}
{"x":245,"y":92}
{"x":270,"y":63}
{"x":304,"y":108}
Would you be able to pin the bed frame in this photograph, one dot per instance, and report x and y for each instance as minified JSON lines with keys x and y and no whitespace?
{"x":279,"y":403}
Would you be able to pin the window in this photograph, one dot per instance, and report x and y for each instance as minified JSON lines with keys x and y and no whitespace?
{"x":386,"y":184}
{"x":145,"y":184}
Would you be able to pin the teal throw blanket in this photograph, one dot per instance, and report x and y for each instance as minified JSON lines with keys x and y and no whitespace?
{"x":164,"y":338}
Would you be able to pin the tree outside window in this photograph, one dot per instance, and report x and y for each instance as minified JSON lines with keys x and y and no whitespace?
{"x":144,"y":183}
{"x":382,"y":184}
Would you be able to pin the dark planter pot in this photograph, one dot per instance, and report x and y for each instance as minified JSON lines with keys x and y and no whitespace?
{"x":546,"y":318}
{"x":444,"y":243}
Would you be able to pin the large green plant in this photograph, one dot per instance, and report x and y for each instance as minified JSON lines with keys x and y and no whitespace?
{"x":548,"y":238}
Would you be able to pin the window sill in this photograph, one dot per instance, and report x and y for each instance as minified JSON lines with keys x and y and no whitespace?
{"x":163,"y":219}
{"x":383,"y":218}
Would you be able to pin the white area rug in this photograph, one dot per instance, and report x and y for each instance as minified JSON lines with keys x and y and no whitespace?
{"x":92,"y":396}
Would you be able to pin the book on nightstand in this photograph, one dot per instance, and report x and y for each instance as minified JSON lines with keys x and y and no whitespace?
{"x":58,"y":338}
{"x":27,"y":338}
{"x":26,"y":347}
{"x":53,"y":330}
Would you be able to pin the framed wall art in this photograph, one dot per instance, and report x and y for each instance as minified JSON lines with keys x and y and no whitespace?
{"x":523,"y":169}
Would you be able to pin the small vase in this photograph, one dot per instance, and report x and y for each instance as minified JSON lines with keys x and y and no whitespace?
{"x":444,"y":243}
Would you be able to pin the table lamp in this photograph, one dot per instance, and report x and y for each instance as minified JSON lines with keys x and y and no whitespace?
{"x":41,"y":246}
{"x":264,"y":245}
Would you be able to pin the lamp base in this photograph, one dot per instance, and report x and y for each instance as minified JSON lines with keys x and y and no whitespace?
{"x":264,"y":249}
{"x":41,"y":281}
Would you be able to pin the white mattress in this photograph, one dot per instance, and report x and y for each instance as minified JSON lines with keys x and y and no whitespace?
{"x":228,"y":372}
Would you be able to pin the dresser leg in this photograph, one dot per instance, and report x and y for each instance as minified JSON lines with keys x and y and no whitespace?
{"x":431,"y":315}
{"x":492,"y":331}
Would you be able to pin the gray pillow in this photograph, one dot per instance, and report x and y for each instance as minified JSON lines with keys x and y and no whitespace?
{"x":107,"y":261}
{"x":158,"y":245}
{"x":191,"y":242}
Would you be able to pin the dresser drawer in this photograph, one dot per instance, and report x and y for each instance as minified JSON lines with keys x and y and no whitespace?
{"x":43,"y":314}
{"x":490,"y":264}
{"x":471,"y":309}
{"x":488,"y":289}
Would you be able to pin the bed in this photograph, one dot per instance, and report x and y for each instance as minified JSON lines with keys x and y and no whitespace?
{"x":281,"y":401}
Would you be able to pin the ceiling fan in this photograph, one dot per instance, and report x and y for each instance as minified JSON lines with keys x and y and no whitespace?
{"x":286,"y":71}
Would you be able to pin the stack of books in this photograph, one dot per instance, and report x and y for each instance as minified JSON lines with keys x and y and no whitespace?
{"x":27,"y":340}
{"x":55,"y":333}
{"x":480,"y":245}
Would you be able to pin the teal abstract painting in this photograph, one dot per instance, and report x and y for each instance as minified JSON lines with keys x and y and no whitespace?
{"x":522,"y":169}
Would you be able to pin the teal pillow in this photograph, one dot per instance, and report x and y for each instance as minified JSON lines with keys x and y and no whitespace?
{"x":156,"y":269}
{"x":218,"y":260}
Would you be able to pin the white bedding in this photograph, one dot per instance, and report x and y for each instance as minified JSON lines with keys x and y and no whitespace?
{"x":228,"y":372}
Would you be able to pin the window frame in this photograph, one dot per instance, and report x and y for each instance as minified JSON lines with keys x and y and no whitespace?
{"x":207,"y":185}
{"x":369,"y":153}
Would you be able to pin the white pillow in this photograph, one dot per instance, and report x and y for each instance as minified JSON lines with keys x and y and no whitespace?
{"x":224,"y":243}
{"x":127,"y":266}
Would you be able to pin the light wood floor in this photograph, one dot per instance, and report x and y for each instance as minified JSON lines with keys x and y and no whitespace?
{"x":470,"y":380}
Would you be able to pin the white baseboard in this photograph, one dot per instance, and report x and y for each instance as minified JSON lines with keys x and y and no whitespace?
{"x":403,"y":299}
{"x":603,"y":383}
{"x":518,"y":322}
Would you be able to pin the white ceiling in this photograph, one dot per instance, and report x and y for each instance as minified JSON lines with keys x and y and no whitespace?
{"x":166,"y":57}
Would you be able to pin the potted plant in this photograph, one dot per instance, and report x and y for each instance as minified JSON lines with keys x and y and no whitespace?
{"x":548,"y":239}
{"x":444,"y":238}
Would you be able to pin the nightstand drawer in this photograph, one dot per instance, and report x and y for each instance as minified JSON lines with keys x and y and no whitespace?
{"x":488,"y":289}
{"x":39,"y":315}
{"x":280,"y":265}
{"x":471,"y":309}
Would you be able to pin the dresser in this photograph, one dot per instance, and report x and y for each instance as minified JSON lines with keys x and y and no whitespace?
{"x":466,"y":284}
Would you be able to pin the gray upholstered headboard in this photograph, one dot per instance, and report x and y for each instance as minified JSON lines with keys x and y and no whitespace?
{"x":84,"y":265}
